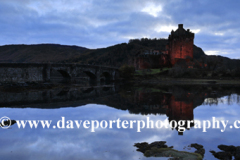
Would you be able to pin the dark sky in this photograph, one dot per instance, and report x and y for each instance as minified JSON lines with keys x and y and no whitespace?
{"x":101,"y":23}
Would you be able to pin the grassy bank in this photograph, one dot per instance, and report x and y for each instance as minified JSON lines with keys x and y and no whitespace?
{"x":161,"y":77}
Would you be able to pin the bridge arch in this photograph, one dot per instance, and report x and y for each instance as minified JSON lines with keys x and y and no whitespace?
{"x":59,"y":75}
{"x":92,"y":76}
{"x":105,"y":77}
{"x":65,"y":74}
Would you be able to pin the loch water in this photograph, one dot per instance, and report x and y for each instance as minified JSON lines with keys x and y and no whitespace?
{"x":113,"y":102}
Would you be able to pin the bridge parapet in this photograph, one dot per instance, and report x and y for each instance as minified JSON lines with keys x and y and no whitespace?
{"x":41,"y":72}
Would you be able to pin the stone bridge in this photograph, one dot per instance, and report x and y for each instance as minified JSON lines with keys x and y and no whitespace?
{"x":43,"y":72}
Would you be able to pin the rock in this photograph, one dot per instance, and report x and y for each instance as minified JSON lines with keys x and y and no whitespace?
{"x":199,"y":148}
{"x":169,"y":152}
{"x":222,"y":155}
{"x":160,"y":149}
{"x":228,"y":152}
{"x":8,"y":122}
{"x":200,"y":151}
{"x":142,"y":147}
{"x":231,"y":149}
{"x":158,"y":144}
{"x":12,"y":122}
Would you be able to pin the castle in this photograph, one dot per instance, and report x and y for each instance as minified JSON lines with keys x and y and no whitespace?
{"x":179,"y":46}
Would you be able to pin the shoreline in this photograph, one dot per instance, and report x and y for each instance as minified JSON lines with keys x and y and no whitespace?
{"x":137,"y":81}
{"x":184,"y":81}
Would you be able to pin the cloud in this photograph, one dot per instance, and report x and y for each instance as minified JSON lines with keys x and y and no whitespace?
{"x":94,"y":24}
{"x":152,"y":9}
{"x":212,"y":52}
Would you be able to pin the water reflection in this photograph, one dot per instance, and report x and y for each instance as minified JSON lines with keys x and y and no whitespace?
{"x":173,"y":103}
{"x":177,"y":103}
{"x":64,"y":96}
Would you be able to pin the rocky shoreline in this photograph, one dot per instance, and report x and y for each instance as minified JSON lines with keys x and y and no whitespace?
{"x":160,"y":149}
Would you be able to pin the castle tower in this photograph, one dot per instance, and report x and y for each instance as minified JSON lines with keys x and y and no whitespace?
{"x":180,"y":44}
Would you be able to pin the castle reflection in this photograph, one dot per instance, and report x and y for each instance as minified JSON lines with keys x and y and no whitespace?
{"x":176,"y":108}
{"x":177,"y":103}
{"x":180,"y":110}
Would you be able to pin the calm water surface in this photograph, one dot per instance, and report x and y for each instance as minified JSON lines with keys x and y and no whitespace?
{"x":174,"y":103}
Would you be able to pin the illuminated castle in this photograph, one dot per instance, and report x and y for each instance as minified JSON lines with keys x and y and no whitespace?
{"x":178,"y":46}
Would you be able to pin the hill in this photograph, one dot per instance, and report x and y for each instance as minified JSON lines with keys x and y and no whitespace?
{"x":120,"y":54}
{"x":39,"y":53}
{"x":116,"y":55}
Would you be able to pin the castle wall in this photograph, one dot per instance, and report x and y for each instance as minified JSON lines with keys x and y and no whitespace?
{"x":180,"y":44}
{"x":181,"y":48}
{"x":143,"y":64}
{"x":151,"y":61}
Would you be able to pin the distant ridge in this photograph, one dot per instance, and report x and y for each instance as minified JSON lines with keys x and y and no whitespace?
{"x":38,"y":52}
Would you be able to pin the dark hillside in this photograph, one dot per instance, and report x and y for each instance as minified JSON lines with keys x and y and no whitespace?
{"x":120,"y":54}
{"x":198,"y":52}
{"x":38,"y":53}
